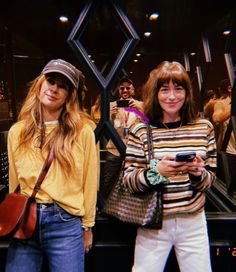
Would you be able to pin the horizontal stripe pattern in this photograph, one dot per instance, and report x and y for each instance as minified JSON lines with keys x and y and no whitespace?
{"x":180,"y":195}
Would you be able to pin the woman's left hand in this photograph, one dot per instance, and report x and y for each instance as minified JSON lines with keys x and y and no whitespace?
{"x":196,"y":167}
{"x":88,"y":240}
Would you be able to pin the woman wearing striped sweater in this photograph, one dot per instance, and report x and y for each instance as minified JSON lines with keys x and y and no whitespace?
{"x":168,"y":103}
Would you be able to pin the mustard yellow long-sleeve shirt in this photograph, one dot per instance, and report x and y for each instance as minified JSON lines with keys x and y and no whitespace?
{"x":76,"y":195}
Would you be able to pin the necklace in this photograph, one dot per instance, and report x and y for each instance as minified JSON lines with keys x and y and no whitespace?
{"x":174,"y":130}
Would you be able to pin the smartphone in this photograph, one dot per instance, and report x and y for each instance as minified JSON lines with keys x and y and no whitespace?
{"x":122,"y":103}
{"x":185,"y":156}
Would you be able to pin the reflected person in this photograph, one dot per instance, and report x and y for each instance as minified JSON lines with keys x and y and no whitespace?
{"x":122,"y":117}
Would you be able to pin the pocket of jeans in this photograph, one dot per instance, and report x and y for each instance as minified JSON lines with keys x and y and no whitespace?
{"x":65,"y":216}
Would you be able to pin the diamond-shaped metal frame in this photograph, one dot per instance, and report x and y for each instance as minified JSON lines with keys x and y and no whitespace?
{"x":80,"y":51}
{"x":105,"y":83}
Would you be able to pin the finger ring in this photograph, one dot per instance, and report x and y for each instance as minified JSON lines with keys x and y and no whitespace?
{"x":196,"y":169}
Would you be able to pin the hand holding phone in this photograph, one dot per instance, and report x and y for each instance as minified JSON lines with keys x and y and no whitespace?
{"x":122,"y":103}
{"x":185,"y":156}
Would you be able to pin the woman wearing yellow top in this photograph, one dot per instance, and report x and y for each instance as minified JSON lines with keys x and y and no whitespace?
{"x":66,"y":201}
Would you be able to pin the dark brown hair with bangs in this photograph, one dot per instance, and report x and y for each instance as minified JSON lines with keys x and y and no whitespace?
{"x":164,"y":73}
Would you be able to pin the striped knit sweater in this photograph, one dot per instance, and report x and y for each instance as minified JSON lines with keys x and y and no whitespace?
{"x":184,"y":193}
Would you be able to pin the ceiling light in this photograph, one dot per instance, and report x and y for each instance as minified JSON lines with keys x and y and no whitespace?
{"x":147,"y":34}
{"x":192,"y":53}
{"x":135,"y":60}
{"x":63,"y":19}
{"x":138,"y":54}
{"x":227,"y":32}
{"x":21,"y":56}
{"x":153,"y":16}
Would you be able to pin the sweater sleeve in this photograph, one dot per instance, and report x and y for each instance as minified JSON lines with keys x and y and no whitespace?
{"x":11,"y":142}
{"x":136,"y":164}
{"x":90,"y":177}
{"x":209,"y":172}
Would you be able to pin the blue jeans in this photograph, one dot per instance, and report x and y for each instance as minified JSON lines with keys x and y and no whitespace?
{"x":58,"y":236}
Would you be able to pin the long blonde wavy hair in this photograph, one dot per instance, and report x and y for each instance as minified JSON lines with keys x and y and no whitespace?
{"x":63,"y":137}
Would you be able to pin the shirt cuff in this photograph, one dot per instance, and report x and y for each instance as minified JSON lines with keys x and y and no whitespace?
{"x":195,"y":180}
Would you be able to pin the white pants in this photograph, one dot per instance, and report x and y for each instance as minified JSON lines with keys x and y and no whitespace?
{"x":187,"y":233}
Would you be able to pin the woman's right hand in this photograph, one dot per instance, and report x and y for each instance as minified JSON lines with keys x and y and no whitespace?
{"x":168,"y":167}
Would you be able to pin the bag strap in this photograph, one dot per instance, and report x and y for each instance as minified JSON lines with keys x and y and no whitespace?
{"x":150,"y":142}
{"x":44,"y":171}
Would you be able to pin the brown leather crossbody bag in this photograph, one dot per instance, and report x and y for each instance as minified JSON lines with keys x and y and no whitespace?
{"x":18,"y":212}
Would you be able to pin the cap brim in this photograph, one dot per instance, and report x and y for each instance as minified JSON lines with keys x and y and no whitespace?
{"x":60,"y":72}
